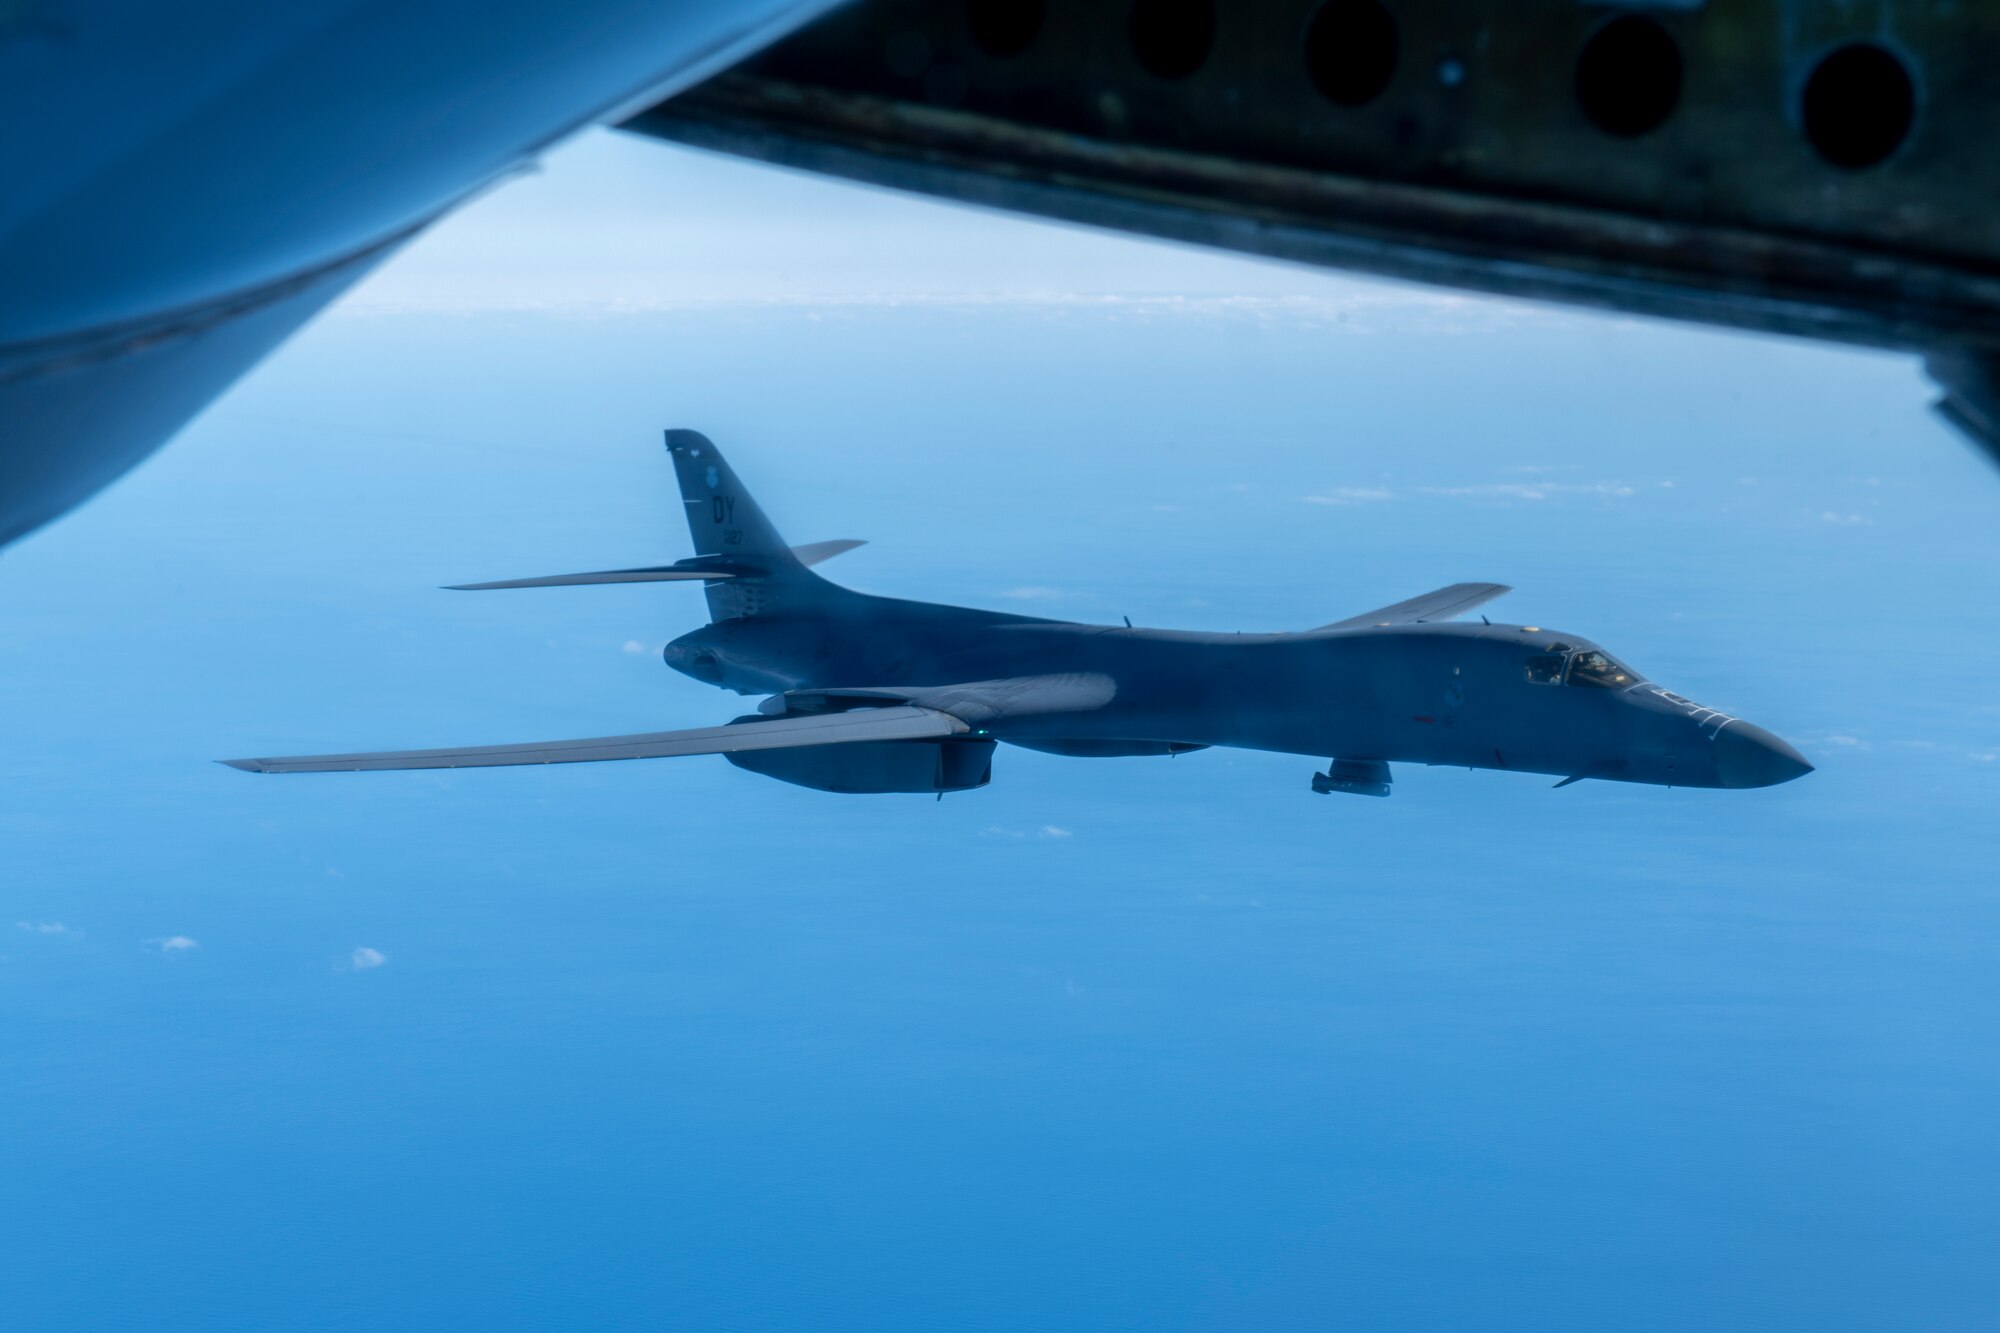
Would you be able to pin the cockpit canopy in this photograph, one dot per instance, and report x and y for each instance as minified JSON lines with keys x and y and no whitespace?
{"x":1599,"y":670}
{"x":1592,"y":668}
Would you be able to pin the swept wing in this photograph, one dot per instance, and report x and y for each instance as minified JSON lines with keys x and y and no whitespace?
{"x":1443,"y":604}
{"x":899,"y":722}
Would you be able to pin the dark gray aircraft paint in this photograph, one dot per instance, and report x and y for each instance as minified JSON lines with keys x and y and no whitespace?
{"x":874,"y":694}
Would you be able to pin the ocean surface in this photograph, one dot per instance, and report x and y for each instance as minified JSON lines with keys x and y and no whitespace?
{"x":1121,"y":1044}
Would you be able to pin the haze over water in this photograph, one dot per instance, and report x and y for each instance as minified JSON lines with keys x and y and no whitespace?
{"x":1109,"y":1044}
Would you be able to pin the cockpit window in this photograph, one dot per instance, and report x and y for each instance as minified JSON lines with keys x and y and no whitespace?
{"x":1545,"y":668}
{"x":1601,"y":671}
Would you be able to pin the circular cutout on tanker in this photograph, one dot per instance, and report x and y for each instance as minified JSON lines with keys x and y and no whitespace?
{"x":1351,"y":51}
{"x":1628,"y":76}
{"x":1858,"y":105}
{"x":1004,"y":28}
{"x":1171,"y":38}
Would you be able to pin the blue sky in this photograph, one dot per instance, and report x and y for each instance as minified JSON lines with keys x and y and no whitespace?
{"x":1130,"y":1044}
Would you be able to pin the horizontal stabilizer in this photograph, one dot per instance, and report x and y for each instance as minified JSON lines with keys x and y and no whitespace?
{"x":657,"y":574}
{"x":1443,"y":604}
{"x":702,"y":568}
{"x":862,"y":724}
{"x":813,"y":553}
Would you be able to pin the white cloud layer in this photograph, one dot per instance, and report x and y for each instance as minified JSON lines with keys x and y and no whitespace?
{"x":612,"y":226}
{"x":1047,"y":832}
{"x":1533,"y":490}
{"x":1350,"y":495}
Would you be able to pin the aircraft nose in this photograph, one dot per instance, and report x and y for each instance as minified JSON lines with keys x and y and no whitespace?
{"x":1749,"y":756}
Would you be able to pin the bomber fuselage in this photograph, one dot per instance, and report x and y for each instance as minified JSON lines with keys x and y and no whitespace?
{"x":1472,"y":695}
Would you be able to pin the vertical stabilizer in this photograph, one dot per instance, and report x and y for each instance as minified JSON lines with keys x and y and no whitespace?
{"x":722,"y":518}
{"x":727,"y":524}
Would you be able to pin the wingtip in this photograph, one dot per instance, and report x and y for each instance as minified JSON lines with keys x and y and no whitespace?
{"x":243,"y":765}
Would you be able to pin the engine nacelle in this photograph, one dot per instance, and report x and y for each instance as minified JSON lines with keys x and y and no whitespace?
{"x":877,"y":766}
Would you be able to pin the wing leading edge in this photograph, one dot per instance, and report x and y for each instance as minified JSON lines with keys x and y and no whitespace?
{"x":902,"y":722}
{"x":1443,"y":604}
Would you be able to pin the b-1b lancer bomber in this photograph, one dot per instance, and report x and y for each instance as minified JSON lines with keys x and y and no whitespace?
{"x":874,"y":694}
